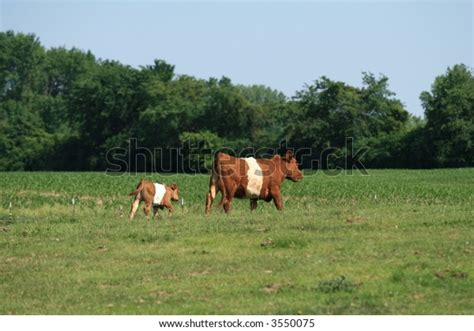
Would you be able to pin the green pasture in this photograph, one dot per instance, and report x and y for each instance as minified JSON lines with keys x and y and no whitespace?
{"x":391,"y":242}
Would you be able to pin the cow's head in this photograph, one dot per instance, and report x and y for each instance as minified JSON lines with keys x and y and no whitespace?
{"x":174,"y":192}
{"x":291,"y":169}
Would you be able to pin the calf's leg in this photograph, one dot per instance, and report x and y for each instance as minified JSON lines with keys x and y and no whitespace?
{"x":147,"y":208}
{"x":170,"y":208}
{"x":253,"y":204}
{"x":134,"y":207}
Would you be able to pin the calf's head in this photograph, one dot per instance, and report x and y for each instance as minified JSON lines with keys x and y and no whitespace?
{"x":174,"y":192}
{"x":291,"y":169}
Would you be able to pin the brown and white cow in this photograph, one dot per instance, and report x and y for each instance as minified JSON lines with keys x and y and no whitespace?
{"x":250,"y":178}
{"x":153,"y":194}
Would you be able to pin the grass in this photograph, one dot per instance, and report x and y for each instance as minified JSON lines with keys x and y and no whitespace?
{"x":393,"y":242}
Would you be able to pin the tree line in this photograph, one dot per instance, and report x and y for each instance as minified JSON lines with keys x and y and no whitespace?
{"x":64,"y":109}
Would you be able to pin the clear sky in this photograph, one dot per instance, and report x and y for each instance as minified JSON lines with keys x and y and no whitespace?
{"x":280,"y":44}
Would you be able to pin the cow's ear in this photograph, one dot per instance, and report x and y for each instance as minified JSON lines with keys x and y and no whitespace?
{"x":173,"y":186}
{"x":289,"y":155}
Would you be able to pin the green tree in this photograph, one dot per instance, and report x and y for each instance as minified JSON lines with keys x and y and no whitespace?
{"x":449,"y":111}
{"x":24,"y":144}
{"x":159,"y":69}
{"x":171,"y":108}
{"x":105,"y":105}
{"x":228,"y":113}
{"x":21,"y":60}
{"x":198,"y":148}
{"x":269,"y":109}
{"x":323,"y":115}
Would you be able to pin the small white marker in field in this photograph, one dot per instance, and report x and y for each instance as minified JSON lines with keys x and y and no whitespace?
{"x":182,"y":203}
{"x":73,"y":207}
{"x":10,"y":215}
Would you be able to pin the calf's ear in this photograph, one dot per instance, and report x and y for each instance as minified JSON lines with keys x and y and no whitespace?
{"x":289,"y":155}
{"x":173,"y":186}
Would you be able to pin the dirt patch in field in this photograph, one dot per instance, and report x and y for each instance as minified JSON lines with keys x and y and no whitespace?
{"x":356,"y":220}
{"x":277,"y":287}
{"x":199,"y":273}
{"x":271,"y":288}
{"x":450,"y":273}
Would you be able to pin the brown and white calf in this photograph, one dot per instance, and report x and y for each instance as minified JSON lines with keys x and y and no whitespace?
{"x":250,"y":178}
{"x":153,"y":194}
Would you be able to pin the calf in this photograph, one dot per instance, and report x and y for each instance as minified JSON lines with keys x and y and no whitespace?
{"x":250,"y":178}
{"x":154,"y":194}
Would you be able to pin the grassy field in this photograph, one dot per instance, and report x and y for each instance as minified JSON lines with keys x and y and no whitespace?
{"x":393,"y":242}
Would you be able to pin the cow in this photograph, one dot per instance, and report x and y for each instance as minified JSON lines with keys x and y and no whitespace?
{"x":250,"y":178}
{"x":153,"y":194}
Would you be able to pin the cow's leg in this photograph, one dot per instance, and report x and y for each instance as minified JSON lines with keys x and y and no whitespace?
{"x":134,"y":207}
{"x":221,"y":203}
{"x":221,"y":188}
{"x":228,"y":198}
{"x":155,"y":212}
{"x":209,"y":200}
{"x":277,"y":198}
{"x":253,"y":204}
{"x":147,"y":208}
{"x":227,"y":204}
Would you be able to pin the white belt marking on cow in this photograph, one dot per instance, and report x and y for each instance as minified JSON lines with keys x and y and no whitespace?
{"x":160,"y":191}
{"x":255,"y":177}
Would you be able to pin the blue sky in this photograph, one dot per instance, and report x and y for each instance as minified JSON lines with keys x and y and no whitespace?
{"x":280,"y":44}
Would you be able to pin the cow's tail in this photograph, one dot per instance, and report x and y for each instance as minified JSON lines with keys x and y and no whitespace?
{"x":138,"y":189}
{"x":220,"y":181}
{"x":216,"y":184}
